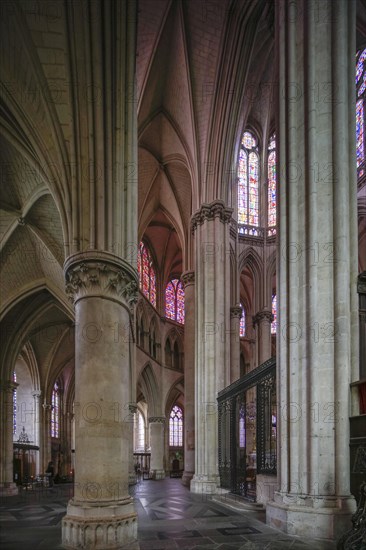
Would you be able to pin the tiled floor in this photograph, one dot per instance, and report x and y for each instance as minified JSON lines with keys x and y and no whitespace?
{"x":170,"y":517}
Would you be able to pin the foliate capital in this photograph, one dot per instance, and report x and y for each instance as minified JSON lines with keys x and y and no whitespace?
{"x":215,"y":209}
{"x":264,"y":315}
{"x":187,"y":278}
{"x":236,"y":311}
{"x":101,"y":274}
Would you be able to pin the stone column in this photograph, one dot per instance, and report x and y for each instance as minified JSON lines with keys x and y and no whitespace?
{"x":317,"y":268}
{"x":46,"y":438}
{"x":100,"y":271}
{"x":212,"y":342}
{"x":157,"y":428}
{"x":235,"y":316}
{"x":189,"y":335}
{"x":131,"y":464}
{"x":37,"y":427}
{"x":7,"y":485}
{"x":67,"y":466}
{"x":101,"y":514}
{"x":263,"y":320}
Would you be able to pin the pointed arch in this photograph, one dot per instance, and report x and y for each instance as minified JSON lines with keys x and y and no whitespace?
{"x":150,"y":389}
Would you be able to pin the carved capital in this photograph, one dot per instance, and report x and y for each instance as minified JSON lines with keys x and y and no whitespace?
{"x":157,"y":420}
{"x":132,"y":408}
{"x":37,"y":394}
{"x":264,"y":315}
{"x":100,"y":274}
{"x":187,"y":278}
{"x":236,"y":311}
{"x":216,"y":209}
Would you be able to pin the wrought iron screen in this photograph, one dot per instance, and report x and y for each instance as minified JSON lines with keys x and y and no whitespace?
{"x":247,"y":430}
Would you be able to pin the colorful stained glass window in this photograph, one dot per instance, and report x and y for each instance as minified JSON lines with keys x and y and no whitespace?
{"x":274,"y":313}
{"x":272,"y":182}
{"x":147,"y":276}
{"x":248,"y":181}
{"x":14,"y":405}
{"x":174,"y":301}
{"x":55,"y":411}
{"x":360,"y":110}
{"x":242,"y":321}
{"x":176,"y":427}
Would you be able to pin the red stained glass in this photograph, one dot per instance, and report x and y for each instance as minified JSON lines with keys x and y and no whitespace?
{"x":248,"y":181}
{"x":360,"y":111}
{"x":272,"y":181}
{"x":147,"y":277}
{"x":174,"y":301}
{"x":242,"y":321}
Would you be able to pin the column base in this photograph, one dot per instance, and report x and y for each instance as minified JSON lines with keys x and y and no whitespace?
{"x":266,"y":485}
{"x":8,"y":489}
{"x":157,"y":474}
{"x":323,"y":517}
{"x":112,"y":527}
{"x":186,"y":478}
{"x":132,"y":478}
{"x":204,"y":485}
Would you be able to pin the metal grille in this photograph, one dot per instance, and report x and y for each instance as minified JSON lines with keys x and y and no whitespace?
{"x":247,"y":430}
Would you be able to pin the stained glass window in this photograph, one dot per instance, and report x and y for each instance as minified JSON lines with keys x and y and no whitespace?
{"x":139,"y":432}
{"x":272,"y":185}
{"x":360,"y":108}
{"x":274,"y":313}
{"x":174,"y":301}
{"x":14,"y":405}
{"x":55,"y":411}
{"x":147,"y":276}
{"x":242,"y":427}
{"x":176,"y":427}
{"x":242,"y":321}
{"x":248,"y":180}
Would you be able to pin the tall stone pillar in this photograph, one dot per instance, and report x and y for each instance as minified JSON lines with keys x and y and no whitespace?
{"x":212,"y":342}
{"x":263,"y":320}
{"x":317,"y":267}
{"x":37,"y":427}
{"x":131,"y":463}
{"x":100,"y":270}
{"x":189,"y":336}
{"x":235,"y":316}
{"x":7,"y":485}
{"x":46,"y":436}
{"x":157,"y":428}
{"x":101,"y":514}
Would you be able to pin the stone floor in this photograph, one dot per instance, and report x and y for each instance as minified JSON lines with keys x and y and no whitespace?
{"x":170,"y":517}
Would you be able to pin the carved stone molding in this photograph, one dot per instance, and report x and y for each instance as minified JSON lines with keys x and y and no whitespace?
{"x":132,"y":408}
{"x":157,"y":420}
{"x":187,"y":278}
{"x":37,"y":394}
{"x":264,"y":315}
{"x":216,"y":209}
{"x":236,"y":311}
{"x":100,"y":274}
